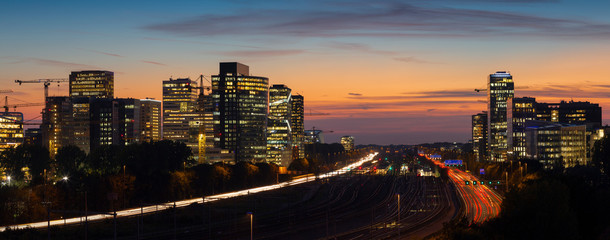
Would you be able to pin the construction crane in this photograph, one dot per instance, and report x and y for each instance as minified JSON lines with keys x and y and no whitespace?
{"x":46,"y":82}
{"x":6,"y":106}
{"x":479,"y":90}
{"x":201,"y":105}
{"x":19,"y":122}
{"x":6,"y":90}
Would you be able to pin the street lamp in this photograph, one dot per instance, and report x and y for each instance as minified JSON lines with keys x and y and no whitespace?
{"x":65,"y":178}
{"x":9,"y":180}
{"x":251,"y":218}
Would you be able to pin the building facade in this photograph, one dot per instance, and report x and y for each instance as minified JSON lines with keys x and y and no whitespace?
{"x":96,"y":84}
{"x":297,"y":120}
{"x":519,"y":110}
{"x":347,"y":142}
{"x":479,"y":136}
{"x":182,"y":118}
{"x":11,"y":130}
{"x":279,"y":130}
{"x":577,"y":113}
{"x":57,"y":128}
{"x":556,"y":145}
{"x":240,"y":112}
{"x":500,"y":88}
{"x":150,"y":120}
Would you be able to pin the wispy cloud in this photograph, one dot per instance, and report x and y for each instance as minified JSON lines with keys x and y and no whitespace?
{"x":262,"y":53}
{"x":357,"y":47}
{"x":153,"y":62}
{"x":394,"y":19}
{"x":104,"y":53}
{"x":54,"y":63}
{"x":411,"y":60}
{"x":354,"y":94}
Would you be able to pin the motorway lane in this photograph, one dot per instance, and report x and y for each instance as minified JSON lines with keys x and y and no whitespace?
{"x":184,"y":203}
{"x":482,"y":203}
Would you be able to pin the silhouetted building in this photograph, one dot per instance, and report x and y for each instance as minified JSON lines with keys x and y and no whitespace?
{"x":519,"y":111}
{"x":11,"y":130}
{"x":297,"y":119}
{"x":150,"y":120}
{"x":130,"y":119}
{"x":347,"y":142}
{"x":577,"y":113}
{"x":479,"y":136}
{"x":181,"y":114}
{"x":279,"y":130}
{"x":500,"y":88}
{"x":33,"y":136}
{"x":240,"y":112}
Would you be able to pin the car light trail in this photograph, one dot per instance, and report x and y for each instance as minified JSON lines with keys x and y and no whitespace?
{"x":184,"y":203}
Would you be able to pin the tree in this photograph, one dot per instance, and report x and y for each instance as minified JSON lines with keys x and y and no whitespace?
{"x":70,"y":160}
{"x":601,"y":154}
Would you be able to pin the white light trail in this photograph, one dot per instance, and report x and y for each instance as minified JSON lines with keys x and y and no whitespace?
{"x":184,"y":203}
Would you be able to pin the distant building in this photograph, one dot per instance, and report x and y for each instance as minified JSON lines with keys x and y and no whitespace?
{"x":81,"y":123}
{"x":297,"y":119}
{"x":479,"y":136}
{"x":279,"y":130}
{"x":130,"y":118}
{"x":519,"y":110}
{"x":97,"y":84}
{"x":182,"y":118}
{"x":106,"y":128}
{"x":577,"y":113}
{"x":500,"y":88}
{"x":11,"y":130}
{"x":240,"y":112}
{"x":347,"y":142}
{"x":150,"y":120}
{"x":314,"y":136}
{"x":33,"y":136}
{"x":58,"y":130}
{"x":555,"y":144}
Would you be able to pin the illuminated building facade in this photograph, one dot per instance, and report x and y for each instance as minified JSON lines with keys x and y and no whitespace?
{"x":81,"y":123}
{"x":519,"y":111}
{"x":279,"y":130}
{"x":97,"y":84}
{"x":105,"y":128}
{"x":59,"y":131}
{"x":240,"y":112}
{"x":479,"y":136}
{"x":347,"y":142}
{"x":11,"y":130}
{"x":314,"y":136}
{"x":500,"y":88}
{"x":555,"y":144}
{"x":181,"y":114}
{"x":297,"y":120}
{"x":129,"y":119}
{"x":150,"y":120}
{"x":577,"y":113}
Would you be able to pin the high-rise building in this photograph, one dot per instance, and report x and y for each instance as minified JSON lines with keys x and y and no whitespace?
{"x":182,"y":118}
{"x":98,"y":84}
{"x":347,"y":142}
{"x":500,"y":88}
{"x":240,"y":112}
{"x":279,"y":130}
{"x":150,"y":120}
{"x":11,"y":130}
{"x":81,"y":123}
{"x":577,"y":113}
{"x":297,"y":118}
{"x":479,"y":136}
{"x":519,"y":110}
{"x":130,"y":119}
{"x":33,"y":136}
{"x":58,"y":130}
{"x":556,"y":144}
{"x":314,"y":136}
{"x":105,"y":115}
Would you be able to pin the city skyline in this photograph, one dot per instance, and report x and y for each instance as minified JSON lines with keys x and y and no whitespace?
{"x":401,"y":72}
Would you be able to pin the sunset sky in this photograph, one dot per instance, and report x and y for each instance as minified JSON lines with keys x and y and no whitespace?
{"x":400,"y":72}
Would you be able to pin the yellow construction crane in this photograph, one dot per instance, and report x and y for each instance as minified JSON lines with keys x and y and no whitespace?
{"x":46,"y":82}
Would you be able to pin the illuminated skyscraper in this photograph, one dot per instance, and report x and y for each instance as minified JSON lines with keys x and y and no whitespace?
{"x":181,"y":116}
{"x":519,"y":110}
{"x":150,"y":120}
{"x":347,"y":142}
{"x":298,"y":128}
{"x":98,"y":84}
{"x":500,"y":88}
{"x":59,"y":132}
{"x":279,"y":130}
{"x":479,"y":136}
{"x":240,"y":112}
{"x":11,"y":130}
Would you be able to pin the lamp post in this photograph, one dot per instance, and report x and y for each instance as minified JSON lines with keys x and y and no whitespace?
{"x":251,"y":218}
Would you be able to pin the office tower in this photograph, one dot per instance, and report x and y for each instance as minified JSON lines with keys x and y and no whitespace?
{"x":98,"y":84}
{"x":279,"y":130}
{"x":500,"y":88}
{"x":11,"y":130}
{"x":130,"y":118}
{"x":297,"y":118}
{"x":240,"y":112}
{"x":58,"y":131}
{"x":577,"y":113}
{"x":33,"y":136}
{"x":181,"y":114}
{"x":556,"y":144}
{"x":347,"y":142}
{"x":518,"y":111}
{"x":105,"y":128}
{"x":150,"y":120}
{"x":479,"y":136}
{"x":81,"y":123}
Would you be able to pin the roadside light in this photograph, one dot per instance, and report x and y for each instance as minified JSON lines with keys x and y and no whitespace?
{"x":498,"y":182}
{"x":65,"y":178}
{"x":474,"y":182}
{"x":467,"y":182}
{"x":360,"y":168}
{"x":489,"y":182}
{"x":482,"y":183}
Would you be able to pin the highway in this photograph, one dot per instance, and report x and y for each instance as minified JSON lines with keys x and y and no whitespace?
{"x":481,"y":202}
{"x":184,"y":203}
